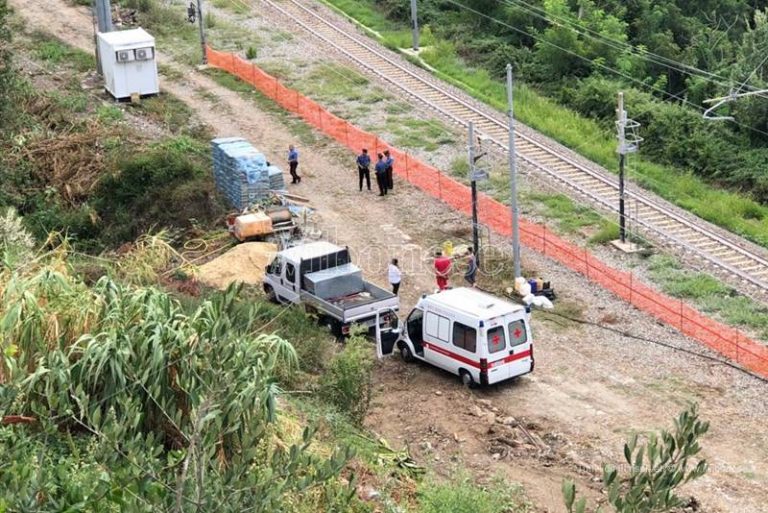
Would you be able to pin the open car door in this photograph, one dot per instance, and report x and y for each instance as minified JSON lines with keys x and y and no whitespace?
{"x":387,"y":332}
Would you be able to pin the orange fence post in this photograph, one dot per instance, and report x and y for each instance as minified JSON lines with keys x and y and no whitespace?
{"x":346,"y":136}
{"x":586,"y":262}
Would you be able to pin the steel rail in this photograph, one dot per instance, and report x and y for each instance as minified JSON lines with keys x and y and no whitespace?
{"x":559,"y":167}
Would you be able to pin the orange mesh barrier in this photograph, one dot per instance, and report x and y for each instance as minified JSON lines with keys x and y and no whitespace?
{"x":725,"y":340}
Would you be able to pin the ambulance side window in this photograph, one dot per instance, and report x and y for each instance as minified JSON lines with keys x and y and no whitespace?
{"x":497,"y":341}
{"x":517,"y":333}
{"x":464,"y":337}
{"x":437,"y":327}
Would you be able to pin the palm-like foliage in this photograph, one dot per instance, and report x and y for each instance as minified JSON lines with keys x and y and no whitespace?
{"x":182,"y":404}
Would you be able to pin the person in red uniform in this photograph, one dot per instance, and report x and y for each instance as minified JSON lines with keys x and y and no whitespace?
{"x":442,"y":270}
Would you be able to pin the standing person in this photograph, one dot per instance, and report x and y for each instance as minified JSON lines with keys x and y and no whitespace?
{"x":470,"y":275}
{"x":293,"y":163}
{"x":442,"y":270}
{"x":394,"y":275}
{"x":364,"y":168}
{"x":390,"y":162}
{"x":381,"y":175}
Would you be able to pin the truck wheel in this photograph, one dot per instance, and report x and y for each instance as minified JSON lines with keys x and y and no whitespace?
{"x":466,"y":378}
{"x":406,"y":354}
{"x":335,"y":326}
{"x":271,"y":295}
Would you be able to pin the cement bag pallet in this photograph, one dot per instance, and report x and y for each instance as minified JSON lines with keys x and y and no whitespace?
{"x":240,"y":172}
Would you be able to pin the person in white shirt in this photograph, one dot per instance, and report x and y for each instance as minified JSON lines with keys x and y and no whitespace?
{"x":394,"y":275}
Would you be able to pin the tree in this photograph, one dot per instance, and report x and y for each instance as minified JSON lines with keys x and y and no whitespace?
{"x":656,"y":469}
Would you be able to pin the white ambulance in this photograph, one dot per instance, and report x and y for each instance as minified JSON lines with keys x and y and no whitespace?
{"x":481,"y":338}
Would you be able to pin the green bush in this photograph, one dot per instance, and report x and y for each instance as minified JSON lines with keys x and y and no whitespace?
{"x":347,"y":381}
{"x":654,"y":471}
{"x":608,"y":231}
{"x":133,"y":394}
{"x":165,"y":186}
{"x":462,"y":495}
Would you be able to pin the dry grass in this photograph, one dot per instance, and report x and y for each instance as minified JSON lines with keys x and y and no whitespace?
{"x":69,"y":161}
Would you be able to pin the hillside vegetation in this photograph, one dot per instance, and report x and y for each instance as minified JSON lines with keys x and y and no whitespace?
{"x":74,"y":164}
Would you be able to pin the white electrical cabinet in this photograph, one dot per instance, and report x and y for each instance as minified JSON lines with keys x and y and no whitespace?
{"x":128,"y":63}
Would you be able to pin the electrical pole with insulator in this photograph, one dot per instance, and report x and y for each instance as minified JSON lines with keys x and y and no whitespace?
{"x":628,"y":143}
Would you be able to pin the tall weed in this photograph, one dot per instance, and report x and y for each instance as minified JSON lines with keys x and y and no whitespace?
{"x":347,"y":382}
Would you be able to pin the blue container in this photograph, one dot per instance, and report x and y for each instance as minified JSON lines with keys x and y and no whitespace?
{"x":534,"y":286}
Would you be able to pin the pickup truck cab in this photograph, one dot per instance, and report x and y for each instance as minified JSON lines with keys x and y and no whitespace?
{"x":475,"y":335}
{"x":321,"y":276}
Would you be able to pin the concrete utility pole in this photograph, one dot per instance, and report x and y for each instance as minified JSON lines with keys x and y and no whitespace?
{"x":628,"y":143}
{"x":415,"y":25}
{"x":201,"y":23}
{"x":621,"y":123}
{"x":513,"y":177}
{"x":102,"y":16}
{"x":473,"y":178}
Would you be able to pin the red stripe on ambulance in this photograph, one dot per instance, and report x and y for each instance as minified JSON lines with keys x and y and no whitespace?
{"x":451,"y":354}
{"x":510,"y":358}
{"x":472,"y":363}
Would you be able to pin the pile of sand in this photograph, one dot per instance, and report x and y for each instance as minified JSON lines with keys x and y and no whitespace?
{"x":244,"y":263}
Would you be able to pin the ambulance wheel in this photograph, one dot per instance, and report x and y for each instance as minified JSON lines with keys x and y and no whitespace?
{"x":466,"y":378}
{"x":406,"y":354}
{"x":271,"y":295}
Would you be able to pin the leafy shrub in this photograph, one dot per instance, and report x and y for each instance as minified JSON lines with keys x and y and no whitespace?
{"x":250,"y":53}
{"x":464,"y":496}
{"x":655,"y":470}
{"x":163,"y":187}
{"x":127,"y":396}
{"x":347,"y":382}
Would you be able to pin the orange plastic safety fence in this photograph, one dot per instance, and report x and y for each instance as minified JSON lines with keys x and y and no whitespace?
{"x":727,"y":341}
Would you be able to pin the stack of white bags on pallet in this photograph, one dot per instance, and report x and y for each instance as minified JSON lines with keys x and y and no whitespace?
{"x":241,"y":172}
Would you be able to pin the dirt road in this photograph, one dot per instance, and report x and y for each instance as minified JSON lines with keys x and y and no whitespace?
{"x":591,"y":387}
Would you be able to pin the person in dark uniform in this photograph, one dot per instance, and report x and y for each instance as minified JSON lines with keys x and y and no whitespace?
{"x":390,"y":162}
{"x":293,"y":163}
{"x":470,"y":275}
{"x":364,"y":168}
{"x":381,"y":175}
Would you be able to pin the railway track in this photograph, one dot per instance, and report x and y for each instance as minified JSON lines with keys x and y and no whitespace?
{"x":655,"y":219}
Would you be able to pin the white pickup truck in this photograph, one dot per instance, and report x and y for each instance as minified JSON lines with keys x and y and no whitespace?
{"x":321,"y":276}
